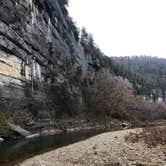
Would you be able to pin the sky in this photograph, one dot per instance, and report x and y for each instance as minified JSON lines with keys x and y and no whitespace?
{"x":124,"y":27}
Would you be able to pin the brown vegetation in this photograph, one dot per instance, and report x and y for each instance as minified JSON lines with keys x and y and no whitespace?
{"x":151,"y":136}
{"x":151,"y":111}
{"x":106,"y":95}
{"x":159,"y":111}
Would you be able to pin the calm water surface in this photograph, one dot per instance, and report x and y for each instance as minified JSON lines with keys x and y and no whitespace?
{"x":12,"y":152}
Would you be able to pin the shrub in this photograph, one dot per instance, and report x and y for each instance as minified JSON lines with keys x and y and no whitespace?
{"x":3,"y":125}
{"x":73,"y":28}
{"x":56,"y":52}
{"x":151,"y":136}
{"x":31,"y":88}
{"x":34,"y":106}
{"x":151,"y":111}
{"x":63,"y":100}
{"x":159,"y":111}
{"x":28,"y":90}
{"x":145,"y":110}
{"x":108,"y":96}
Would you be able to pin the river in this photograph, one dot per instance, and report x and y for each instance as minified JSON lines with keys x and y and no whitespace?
{"x":14,"y":151}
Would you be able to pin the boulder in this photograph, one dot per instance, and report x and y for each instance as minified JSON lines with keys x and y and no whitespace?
{"x":19,"y":130}
{"x":1,"y":139}
{"x":125,"y":125}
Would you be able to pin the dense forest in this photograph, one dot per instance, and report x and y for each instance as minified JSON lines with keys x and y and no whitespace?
{"x":150,"y":70}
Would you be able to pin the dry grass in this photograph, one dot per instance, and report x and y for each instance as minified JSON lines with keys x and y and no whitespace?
{"x":152,"y":136}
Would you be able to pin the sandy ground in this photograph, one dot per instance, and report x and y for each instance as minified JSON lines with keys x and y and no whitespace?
{"x":108,"y":149}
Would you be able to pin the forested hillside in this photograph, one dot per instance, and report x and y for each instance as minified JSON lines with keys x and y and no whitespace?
{"x":150,"y":70}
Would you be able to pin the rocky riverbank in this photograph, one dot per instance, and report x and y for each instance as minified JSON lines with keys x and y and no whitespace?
{"x":63,"y":126}
{"x":105,"y":149}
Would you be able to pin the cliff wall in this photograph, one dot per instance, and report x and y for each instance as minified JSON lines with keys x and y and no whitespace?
{"x":42,"y":63}
{"x":35,"y":41}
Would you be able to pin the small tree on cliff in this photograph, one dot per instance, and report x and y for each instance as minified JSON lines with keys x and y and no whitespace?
{"x":63,"y":4}
{"x":73,"y":28}
{"x":84,"y":37}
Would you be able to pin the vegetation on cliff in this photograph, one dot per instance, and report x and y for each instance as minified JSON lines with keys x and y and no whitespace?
{"x":76,"y":78}
{"x":3,"y":125}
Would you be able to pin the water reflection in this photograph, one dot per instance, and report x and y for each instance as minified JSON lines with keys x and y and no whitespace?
{"x":14,"y":151}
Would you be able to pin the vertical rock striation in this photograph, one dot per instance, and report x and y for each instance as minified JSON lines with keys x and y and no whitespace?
{"x":38,"y":46}
{"x":35,"y":38}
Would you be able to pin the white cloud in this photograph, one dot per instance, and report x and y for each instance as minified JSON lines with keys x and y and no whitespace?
{"x":124,"y":27}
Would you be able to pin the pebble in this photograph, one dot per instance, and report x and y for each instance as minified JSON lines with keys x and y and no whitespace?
{"x":102,"y":150}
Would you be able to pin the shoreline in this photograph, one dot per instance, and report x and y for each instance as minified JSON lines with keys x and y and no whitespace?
{"x":107,"y":148}
{"x":58,"y":140}
{"x":19,"y":133}
{"x":50,"y":132}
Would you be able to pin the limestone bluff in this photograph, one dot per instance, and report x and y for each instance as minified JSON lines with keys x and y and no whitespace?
{"x":36,"y":38}
{"x":39,"y":48}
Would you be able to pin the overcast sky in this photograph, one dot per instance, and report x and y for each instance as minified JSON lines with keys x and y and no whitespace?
{"x":124,"y":27}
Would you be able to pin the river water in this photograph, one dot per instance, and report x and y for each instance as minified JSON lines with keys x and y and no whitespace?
{"x":12,"y":152}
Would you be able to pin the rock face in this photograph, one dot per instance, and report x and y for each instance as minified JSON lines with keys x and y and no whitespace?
{"x":38,"y":46}
{"x":30,"y":32}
